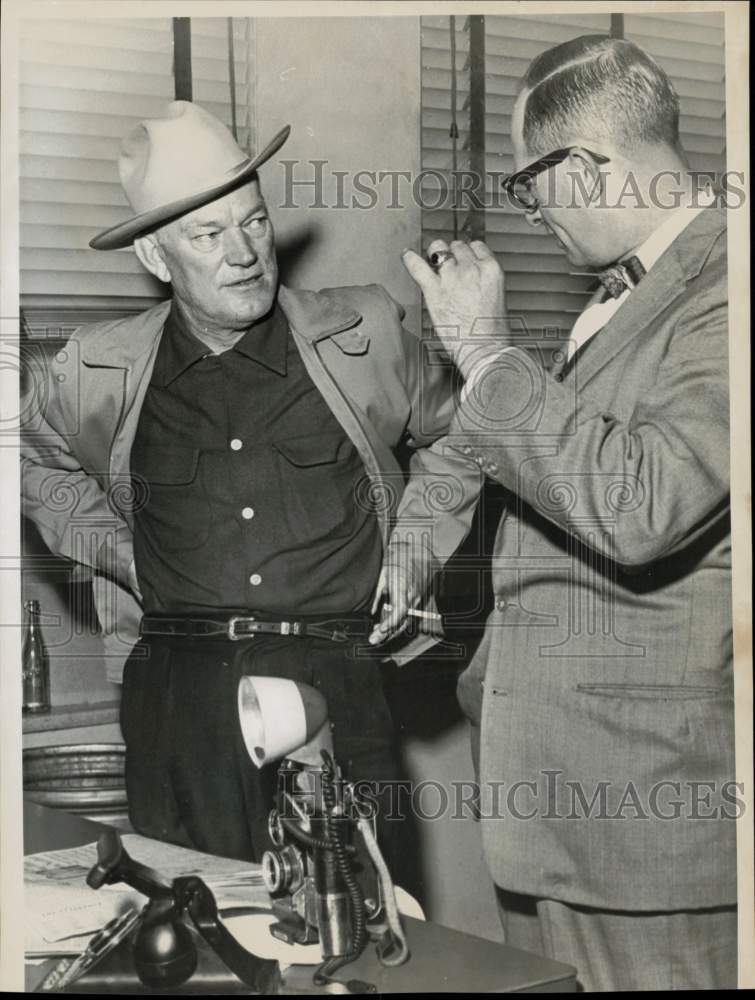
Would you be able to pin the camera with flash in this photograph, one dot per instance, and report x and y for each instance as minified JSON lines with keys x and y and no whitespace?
{"x":325,"y":873}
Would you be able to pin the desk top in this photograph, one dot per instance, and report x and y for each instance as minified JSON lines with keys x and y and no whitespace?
{"x":442,"y":960}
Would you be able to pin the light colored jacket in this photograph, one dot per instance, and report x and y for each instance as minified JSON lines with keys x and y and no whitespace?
{"x":81,"y":418}
{"x":607,"y":661}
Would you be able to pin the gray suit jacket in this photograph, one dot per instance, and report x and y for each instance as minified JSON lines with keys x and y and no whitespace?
{"x":603,"y":686}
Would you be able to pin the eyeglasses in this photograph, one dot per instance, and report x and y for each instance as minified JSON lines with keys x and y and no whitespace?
{"x":521,"y":184}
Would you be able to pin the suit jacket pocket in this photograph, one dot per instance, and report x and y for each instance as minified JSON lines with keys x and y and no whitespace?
{"x":654,"y":692}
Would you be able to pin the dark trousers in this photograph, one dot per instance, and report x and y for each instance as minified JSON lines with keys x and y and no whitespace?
{"x":188,"y":776}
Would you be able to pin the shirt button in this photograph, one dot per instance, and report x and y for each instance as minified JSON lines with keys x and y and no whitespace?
{"x":559,"y":377}
{"x":236,"y":444}
{"x":247,"y":513}
{"x":500,"y":604}
{"x":255,"y":579}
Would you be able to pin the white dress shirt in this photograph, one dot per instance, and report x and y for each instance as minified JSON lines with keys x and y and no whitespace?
{"x":597,"y":314}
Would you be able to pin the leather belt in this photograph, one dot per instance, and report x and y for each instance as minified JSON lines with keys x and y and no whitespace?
{"x":237,"y":627}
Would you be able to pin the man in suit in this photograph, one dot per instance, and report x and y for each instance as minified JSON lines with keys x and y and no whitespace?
{"x":228,"y":461}
{"x":601,"y":696}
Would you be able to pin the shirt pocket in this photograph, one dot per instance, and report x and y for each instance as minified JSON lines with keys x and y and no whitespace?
{"x":176,"y":514}
{"x":319,"y":474}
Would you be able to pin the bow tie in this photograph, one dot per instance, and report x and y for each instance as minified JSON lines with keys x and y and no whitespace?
{"x":626,"y":274}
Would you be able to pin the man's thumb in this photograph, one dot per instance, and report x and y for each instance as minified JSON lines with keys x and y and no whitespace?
{"x":419,"y":269}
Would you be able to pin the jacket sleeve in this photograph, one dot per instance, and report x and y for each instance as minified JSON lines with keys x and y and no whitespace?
{"x":635,"y":490}
{"x":76,"y":517}
{"x":436,"y":510}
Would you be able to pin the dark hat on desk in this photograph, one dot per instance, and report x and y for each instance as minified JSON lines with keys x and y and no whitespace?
{"x":170,"y":166}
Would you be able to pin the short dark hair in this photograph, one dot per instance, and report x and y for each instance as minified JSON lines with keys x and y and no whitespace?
{"x":599,"y":87}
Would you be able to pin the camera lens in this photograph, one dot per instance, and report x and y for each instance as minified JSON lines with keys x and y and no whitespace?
{"x":272,"y":871}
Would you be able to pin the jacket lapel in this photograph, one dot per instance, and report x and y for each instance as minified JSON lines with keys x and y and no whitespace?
{"x":680,"y":263}
{"x":315,"y":317}
{"x":120,"y":344}
{"x":120,"y":358}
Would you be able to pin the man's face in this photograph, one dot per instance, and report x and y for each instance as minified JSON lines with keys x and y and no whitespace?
{"x":221,"y":260}
{"x":562,"y":209}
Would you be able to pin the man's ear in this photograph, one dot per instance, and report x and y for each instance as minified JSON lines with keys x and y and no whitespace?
{"x":150,"y":253}
{"x":588,"y":185}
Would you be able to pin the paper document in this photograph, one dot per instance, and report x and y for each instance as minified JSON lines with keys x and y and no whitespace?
{"x":62,"y":912}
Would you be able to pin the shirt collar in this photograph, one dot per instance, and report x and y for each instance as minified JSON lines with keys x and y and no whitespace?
{"x":264,"y":342}
{"x":661,"y":238}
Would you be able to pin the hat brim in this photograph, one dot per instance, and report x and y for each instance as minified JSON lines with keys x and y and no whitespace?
{"x":124,"y":234}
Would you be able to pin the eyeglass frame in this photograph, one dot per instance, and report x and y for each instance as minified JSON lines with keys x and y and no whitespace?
{"x":537,"y":167}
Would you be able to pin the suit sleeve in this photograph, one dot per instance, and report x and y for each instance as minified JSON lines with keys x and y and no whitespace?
{"x":75,"y":516}
{"x":635,"y":490}
{"x":436,"y":510}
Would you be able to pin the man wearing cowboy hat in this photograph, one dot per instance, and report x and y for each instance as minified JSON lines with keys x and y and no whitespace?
{"x":253,"y":427}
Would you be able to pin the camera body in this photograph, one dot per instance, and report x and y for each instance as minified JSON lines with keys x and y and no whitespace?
{"x":322,"y":884}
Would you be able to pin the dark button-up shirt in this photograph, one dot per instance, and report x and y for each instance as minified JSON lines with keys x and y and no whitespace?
{"x":251,"y":483}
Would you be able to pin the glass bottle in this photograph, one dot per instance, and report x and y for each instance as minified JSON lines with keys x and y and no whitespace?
{"x":35,"y":663}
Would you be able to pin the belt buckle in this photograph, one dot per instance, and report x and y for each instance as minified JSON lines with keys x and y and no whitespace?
{"x":233,"y":622}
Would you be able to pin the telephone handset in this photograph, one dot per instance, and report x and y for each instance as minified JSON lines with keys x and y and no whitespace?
{"x":164,"y":951}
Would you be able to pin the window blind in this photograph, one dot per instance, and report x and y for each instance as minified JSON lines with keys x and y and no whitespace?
{"x":84,"y":84}
{"x":436,"y":143}
{"x":690,"y":48}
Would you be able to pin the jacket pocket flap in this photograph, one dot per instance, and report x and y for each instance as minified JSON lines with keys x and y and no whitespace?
{"x":311,"y":449}
{"x":169,"y":466}
{"x":654,"y":692}
{"x":352,"y":341}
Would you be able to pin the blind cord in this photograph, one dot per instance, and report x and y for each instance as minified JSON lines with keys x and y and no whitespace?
{"x":232,"y":77}
{"x":454,"y":130}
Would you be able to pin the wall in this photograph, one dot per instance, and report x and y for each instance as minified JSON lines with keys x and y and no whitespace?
{"x":327,"y":78}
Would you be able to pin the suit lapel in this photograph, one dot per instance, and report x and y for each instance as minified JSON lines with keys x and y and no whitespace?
{"x":562,"y":363}
{"x":681,"y":262}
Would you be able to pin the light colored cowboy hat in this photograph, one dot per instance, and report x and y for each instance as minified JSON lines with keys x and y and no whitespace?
{"x":170,"y":166}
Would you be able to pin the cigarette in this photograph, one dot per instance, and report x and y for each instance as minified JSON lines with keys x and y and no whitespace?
{"x":414,"y":613}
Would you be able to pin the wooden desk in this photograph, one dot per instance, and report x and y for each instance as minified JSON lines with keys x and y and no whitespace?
{"x":442,"y":960}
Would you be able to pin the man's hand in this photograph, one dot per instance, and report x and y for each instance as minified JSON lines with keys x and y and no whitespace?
{"x":465,"y":299}
{"x":399,"y":585}
{"x":133,"y":582}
